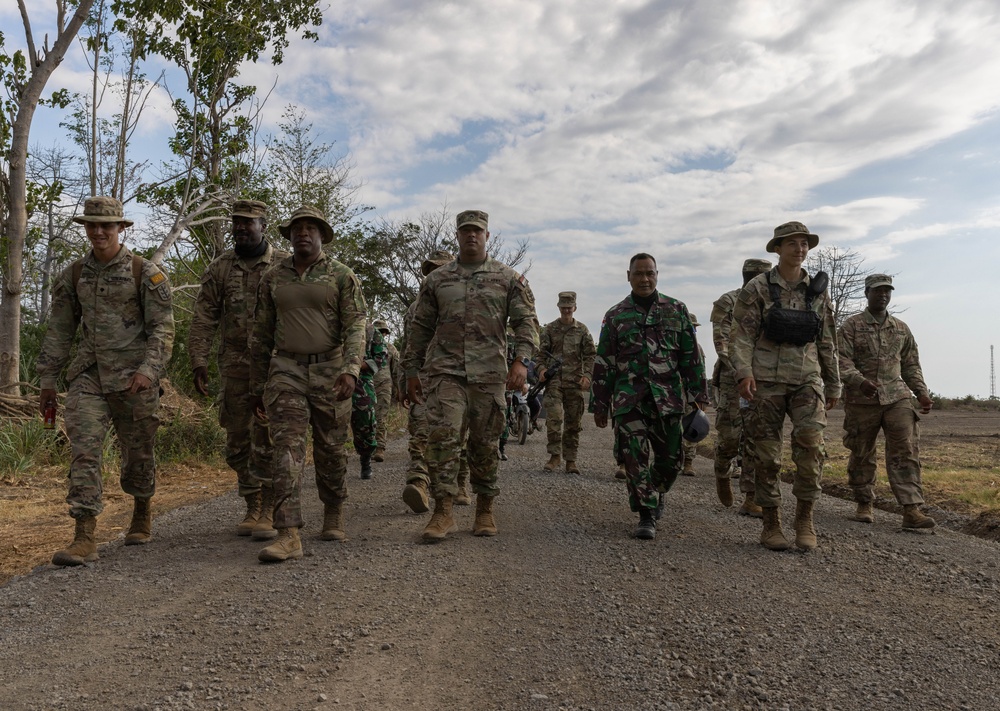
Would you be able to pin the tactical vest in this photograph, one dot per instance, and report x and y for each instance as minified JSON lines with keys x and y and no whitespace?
{"x":791,"y":326}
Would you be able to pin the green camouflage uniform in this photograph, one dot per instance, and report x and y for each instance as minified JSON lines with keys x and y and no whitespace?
{"x":363,"y":401}
{"x":792,"y":380}
{"x":384,"y":386}
{"x":310,"y":329}
{"x":647,"y":369}
{"x":226,"y":302}
{"x":125,"y":330}
{"x":457,"y":342}
{"x":564,"y":400}
{"x":885,"y":353}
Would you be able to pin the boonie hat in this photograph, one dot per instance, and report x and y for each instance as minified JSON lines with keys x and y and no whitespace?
{"x":472,"y":217}
{"x":694,"y":319}
{"x":790,"y":229}
{"x":756,"y":266}
{"x":567,"y":298}
{"x":102,"y":209}
{"x":249,"y":208}
{"x":381,"y":325}
{"x":307,"y":212}
{"x":875,"y":280}
{"x":437,"y":258}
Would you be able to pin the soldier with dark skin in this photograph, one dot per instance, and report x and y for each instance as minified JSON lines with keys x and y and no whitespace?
{"x":122,"y":305}
{"x":648,"y":368}
{"x":226,"y":303}
{"x":364,"y":421}
{"x":880,"y":366}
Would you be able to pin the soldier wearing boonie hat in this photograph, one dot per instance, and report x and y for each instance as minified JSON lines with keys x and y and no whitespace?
{"x":225,"y":304}
{"x":122,"y":304}
{"x":569,"y":341}
{"x":385,"y":380}
{"x":881,"y":369}
{"x":784,"y":351}
{"x":732,"y":447}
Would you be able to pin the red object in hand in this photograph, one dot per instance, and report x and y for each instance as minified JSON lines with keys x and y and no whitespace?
{"x":50,"y":417}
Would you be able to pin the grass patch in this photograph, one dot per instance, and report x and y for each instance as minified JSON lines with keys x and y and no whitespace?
{"x":25,"y":446}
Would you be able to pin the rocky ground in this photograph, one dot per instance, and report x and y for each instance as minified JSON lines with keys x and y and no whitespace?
{"x":562,"y":610}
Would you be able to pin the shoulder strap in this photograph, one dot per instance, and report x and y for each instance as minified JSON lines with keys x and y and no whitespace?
{"x":775,"y":292}
{"x":137,"y":275}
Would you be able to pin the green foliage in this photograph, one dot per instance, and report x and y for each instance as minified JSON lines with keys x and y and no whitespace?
{"x":194,"y":434}
{"x":26,"y":445}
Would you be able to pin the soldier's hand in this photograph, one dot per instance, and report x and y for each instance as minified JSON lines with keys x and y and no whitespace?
{"x":925,"y":404}
{"x":257,"y":405}
{"x":601,"y":419}
{"x":831,"y":401}
{"x":516,"y":376}
{"x":585,"y":383}
{"x":201,"y":380}
{"x":869,"y":388}
{"x":46,"y":398}
{"x":343,"y":388}
{"x":414,"y":391}
{"x":138,"y":382}
{"x":541,"y":374}
{"x":747,"y":388}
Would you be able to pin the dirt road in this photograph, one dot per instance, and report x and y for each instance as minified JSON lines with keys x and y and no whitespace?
{"x":562,"y":610}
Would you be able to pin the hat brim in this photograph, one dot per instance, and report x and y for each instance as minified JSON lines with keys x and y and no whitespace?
{"x":881,"y":283}
{"x":324,"y":228}
{"x":772,"y":245}
{"x":245,"y":214}
{"x":478,"y":223}
{"x":84,"y":219}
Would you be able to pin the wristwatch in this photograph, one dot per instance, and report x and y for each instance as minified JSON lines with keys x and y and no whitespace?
{"x":525,"y":362}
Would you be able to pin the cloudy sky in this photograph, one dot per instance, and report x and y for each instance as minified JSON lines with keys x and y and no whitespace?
{"x":597,"y":129}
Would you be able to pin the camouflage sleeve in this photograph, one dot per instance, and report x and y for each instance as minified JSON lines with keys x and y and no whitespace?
{"x":747,"y":314}
{"x":158,"y":319}
{"x":205,"y":320}
{"x":691,"y":364}
{"x":912,"y":373}
{"x":64,"y":318}
{"x":378,"y":353}
{"x":845,"y":353}
{"x":602,"y":388}
{"x":542,"y":357}
{"x":826,"y":349}
{"x":422,"y":325}
{"x":587,"y":352}
{"x":722,"y":325}
{"x":522,"y":318}
{"x":262,"y":335}
{"x":353,"y":317}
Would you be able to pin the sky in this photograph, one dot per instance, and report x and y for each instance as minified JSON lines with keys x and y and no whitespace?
{"x":689,"y":130}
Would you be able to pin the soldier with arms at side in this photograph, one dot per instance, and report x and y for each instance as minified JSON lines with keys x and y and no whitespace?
{"x":364,"y":400}
{"x":384,"y":381}
{"x":690,"y":449}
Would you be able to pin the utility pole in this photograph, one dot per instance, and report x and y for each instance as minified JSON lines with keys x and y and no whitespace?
{"x":993,"y":378}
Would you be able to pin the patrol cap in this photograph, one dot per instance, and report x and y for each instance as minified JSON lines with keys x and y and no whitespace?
{"x":249,"y":208}
{"x":694,"y":319}
{"x":567,"y":298}
{"x":102,"y":208}
{"x":307,"y":212}
{"x":472,"y":217}
{"x":791,"y":229}
{"x":875,"y":280}
{"x":437,"y":258}
{"x":381,"y":325}
{"x":756,"y":266}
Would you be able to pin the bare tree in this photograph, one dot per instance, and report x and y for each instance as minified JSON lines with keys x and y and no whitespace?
{"x":847,"y":273}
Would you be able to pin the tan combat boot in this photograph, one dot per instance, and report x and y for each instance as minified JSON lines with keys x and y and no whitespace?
{"x":463,"y":485}
{"x":83,"y":549}
{"x":333,"y":522}
{"x":484,"y":525}
{"x":865,"y":513}
{"x":441,"y":523}
{"x":415,"y":496}
{"x":805,"y":533}
{"x":750,"y":507}
{"x":286,"y":546}
{"x":725,"y":491}
{"x":571,"y":467}
{"x":913,"y":517}
{"x":688,"y":470}
{"x":141,"y":528}
{"x":620,"y":472}
{"x":552,"y":464}
{"x":772,"y":537}
{"x":245,"y":527}
{"x":263,"y":530}
{"x":463,"y":498}
{"x":379,"y":455}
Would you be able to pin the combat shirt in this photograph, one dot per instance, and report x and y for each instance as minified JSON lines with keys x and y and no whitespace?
{"x":882,"y":352}
{"x":228,"y":300}
{"x":722,"y":325}
{"x":573,"y":344}
{"x":647,"y":360}
{"x":125,"y":330}
{"x":459,"y":323}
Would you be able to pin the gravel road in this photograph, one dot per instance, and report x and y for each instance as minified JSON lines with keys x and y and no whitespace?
{"x":562,"y":610}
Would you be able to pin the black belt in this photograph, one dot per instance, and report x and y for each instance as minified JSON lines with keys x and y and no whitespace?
{"x":309,"y":358}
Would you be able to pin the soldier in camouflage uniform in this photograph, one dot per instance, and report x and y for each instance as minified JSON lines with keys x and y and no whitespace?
{"x":123,"y":304}
{"x":385,"y":380}
{"x":880,"y":366}
{"x":363,"y":402}
{"x":783,"y":348}
{"x":648,"y":367}
{"x":226,"y":301}
{"x":306,"y":356}
{"x":732,"y":444}
{"x":690,"y":449}
{"x":457,"y":342}
{"x":568,"y":340}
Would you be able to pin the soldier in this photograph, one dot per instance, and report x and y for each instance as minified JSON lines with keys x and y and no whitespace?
{"x":226,"y":301}
{"x":647,"y":367}
{"x":306,"y":356}
{"x":783,"y":348}
{"x":570,"y":342}
{"x":385,"y":380}
{"x":690,"y":449}
{"x":458,"y":343}
{"x":123,"y":304}
{"x":732,"y":444}
{"x":364,"y":399}
{"x":880,"y":366}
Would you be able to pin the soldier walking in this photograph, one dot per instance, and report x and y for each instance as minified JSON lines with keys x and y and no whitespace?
{"x":226,"y":302}
{"x":364,"y":400}
{"x":123,"y":304}
{"x":457,"y":341}
{"x":568,"y":341}
{"x":784,"y":352}
{"x":690,"y":449}
{"x":880,"y":366}
{"x":306,"y":355}
{"x":648,"y":367}
{"x":385,"y":380}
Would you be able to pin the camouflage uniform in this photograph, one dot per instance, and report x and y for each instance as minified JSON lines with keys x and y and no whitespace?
{"x":564,"y":399}
{"x":885,"y":353}
{"x":227,"y":301}
{"x":646,"y":362}
{"x":792,"y":380}
{"x":126,"y":329}
{"x":363,"y":401}
{"x":384,"y":387}
{"x":310,"y":329}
